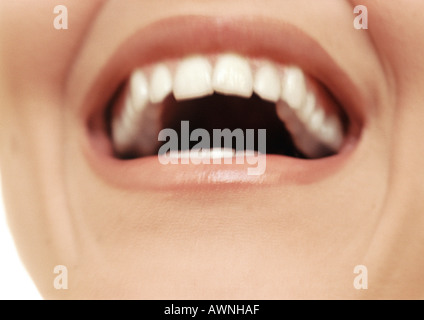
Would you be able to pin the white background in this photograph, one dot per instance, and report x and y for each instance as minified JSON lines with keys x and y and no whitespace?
{"x":15,"y":283}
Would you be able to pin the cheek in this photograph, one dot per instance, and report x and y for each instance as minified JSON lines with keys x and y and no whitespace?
{"x":395,"y":30}
{"x":35,"y":59}
{"x":36,"y":56}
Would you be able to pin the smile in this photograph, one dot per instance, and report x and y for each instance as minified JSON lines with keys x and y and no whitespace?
{"x":216,"y":75}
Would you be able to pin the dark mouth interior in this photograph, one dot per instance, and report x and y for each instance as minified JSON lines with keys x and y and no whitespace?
{"x":219,"y":112}
{"x":229,"y":112}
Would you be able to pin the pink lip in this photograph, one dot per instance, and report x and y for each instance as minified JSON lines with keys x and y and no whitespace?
{"x":180,"y":36}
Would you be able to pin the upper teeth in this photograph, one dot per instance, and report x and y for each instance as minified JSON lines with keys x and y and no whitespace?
{"x":314,"y":131}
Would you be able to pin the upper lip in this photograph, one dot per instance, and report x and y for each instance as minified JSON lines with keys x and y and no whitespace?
{"x":251,"y":36}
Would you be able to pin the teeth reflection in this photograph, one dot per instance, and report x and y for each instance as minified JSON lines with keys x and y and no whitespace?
{"x":214,"y":153}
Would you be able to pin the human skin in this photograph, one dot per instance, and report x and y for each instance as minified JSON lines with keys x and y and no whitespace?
{"x":290,"y":240}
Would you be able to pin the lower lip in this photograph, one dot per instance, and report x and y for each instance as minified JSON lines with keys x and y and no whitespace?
{"x":150,"y":174}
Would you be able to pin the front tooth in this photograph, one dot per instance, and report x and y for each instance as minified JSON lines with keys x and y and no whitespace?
{"x":267,"y":83}
{"x":294,"y":87}
{"x":193,"y":78}
{"x":233,"y":76}
{"x":139,"y":89}
{"x":160,"y":83}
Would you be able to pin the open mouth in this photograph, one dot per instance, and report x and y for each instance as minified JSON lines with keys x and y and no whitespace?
{"x":224,"y":77}
{"x":301,"y":118}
